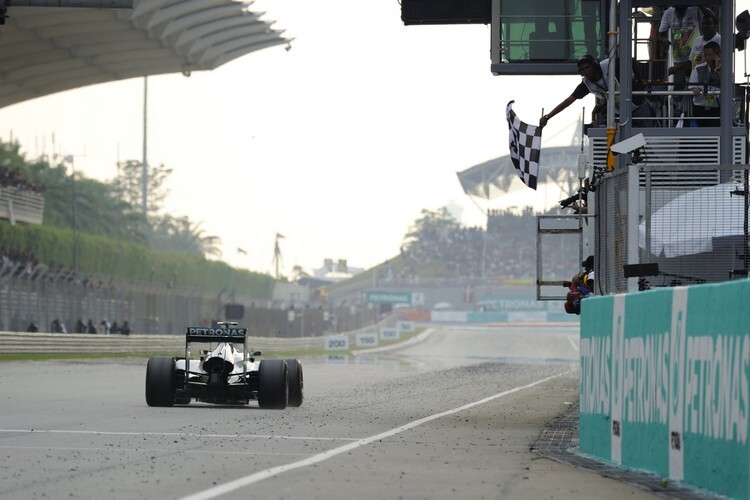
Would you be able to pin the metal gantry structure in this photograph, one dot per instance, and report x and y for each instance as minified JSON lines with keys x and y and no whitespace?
{"x":672,"y":162}
{"x":76,"y":43}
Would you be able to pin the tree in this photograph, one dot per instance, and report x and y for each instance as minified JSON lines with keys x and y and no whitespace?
{"x":180,"y":234}
{"x":112,"y":209}
{"x":84,"y":204}
{"x":298,"y":272}
{"x":166,"y":233}
{"x":430,"y":226}
{"x":128,"y":185}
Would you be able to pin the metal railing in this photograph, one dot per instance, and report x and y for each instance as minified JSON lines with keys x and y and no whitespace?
{"x":674,"y":108}
{"x":71,"y":343}
{"x":21,"y":205}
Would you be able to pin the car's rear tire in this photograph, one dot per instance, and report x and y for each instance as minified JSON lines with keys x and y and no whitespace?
{"x":273,"y":386}
{"x":161,"y":379}
{"x":296,"y":382}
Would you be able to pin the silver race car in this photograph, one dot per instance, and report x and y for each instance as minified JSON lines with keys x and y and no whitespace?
{"x":223,"y":374}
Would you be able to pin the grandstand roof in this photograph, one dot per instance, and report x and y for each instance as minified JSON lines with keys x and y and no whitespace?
{"x":493,"y":178}
{"x":44,"y":50}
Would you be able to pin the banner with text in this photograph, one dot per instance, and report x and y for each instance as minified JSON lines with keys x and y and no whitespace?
{"x":388,"y":298}
{"x":665,"y":383}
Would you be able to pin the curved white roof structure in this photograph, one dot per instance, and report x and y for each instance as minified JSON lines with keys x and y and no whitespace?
{"x":493,"y":178}
{"x":44,"y":50}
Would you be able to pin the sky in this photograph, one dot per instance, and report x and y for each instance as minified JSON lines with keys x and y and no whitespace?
{"x":337,"y":144}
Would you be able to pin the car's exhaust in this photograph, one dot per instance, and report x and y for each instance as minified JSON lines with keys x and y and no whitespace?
{"x":220,"y":362}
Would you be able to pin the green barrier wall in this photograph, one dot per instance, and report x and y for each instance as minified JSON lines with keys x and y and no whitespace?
{"x":664,"y":383}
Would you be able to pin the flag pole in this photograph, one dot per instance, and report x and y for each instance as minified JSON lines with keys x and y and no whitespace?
{"x":484,"y":244}
{"x":581,"y":184}
{"x":486,"y":186}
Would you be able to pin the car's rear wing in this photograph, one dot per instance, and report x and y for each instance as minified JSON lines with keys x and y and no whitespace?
{"x":220,"y":334}
{"x":226,"y":331}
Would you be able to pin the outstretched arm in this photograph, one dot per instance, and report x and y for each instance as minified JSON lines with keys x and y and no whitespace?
{"x":567,"y":102}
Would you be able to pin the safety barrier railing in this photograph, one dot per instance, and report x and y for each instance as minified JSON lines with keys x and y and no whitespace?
{"x":72,"y":343}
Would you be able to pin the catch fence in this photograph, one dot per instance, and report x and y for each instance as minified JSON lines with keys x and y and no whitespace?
{"x":689,"y":222}
{"x":32,"y":294}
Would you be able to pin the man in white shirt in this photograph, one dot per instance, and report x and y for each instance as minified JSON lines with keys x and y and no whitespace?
{"x":705,"y":84}
{"x":709,"y":27}
{"x":680,"y":27}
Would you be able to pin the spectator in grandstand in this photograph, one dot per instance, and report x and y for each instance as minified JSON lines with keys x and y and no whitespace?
{"x":114,"y":329}
{"x":125,"y":329}
{"x":32,"y":328}
{"x":80,"y":326}
{"x":705,"y":83}
{"x":679,"y":28}
{"x":90,"y":327}
{"x":709,"y":26}
{"x":5,"y":257}
{"x":57,"y":326}
{"x":14,"y":178}
{"x":104,"y":327}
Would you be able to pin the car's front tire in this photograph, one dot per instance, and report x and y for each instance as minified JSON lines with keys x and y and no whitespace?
{"x":296,"y":382}
{"x":161,"y":381}
{"x":273,"y":386}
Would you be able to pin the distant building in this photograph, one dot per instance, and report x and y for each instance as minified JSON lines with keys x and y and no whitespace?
{"x":335,"y":271}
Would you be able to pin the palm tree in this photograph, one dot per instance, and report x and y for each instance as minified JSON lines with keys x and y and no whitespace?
{"x":180,"y":234}
{"x":74,"y":201}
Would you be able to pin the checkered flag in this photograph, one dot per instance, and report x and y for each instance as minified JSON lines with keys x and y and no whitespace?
{"x":525,"y":147}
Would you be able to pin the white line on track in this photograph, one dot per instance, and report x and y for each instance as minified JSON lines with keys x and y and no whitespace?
{"x":150,"y":450}
{"x":256,"y":477}
{"x":174,"y":434}
{"x":575,"y":346}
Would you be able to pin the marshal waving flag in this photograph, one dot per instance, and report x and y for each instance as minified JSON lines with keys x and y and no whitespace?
{"x":525,"y":147}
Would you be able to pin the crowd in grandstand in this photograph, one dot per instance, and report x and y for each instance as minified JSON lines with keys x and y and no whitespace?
{"x":509,"y":252}
{"x":25,"y":263}
{"x":17,"y":261}
{"x":458,"y":252}
{"x":14,"y":178}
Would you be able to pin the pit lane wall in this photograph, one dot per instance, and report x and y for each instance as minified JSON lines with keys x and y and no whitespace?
{"x":664,"y":383}
{"x":507,"y":309}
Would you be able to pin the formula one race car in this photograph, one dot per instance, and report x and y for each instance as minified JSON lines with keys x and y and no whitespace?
{"x":223,"y":374}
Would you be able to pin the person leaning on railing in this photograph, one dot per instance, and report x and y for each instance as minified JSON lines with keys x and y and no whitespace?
{"x":595,"y":76}
{"x":705,"y":85}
